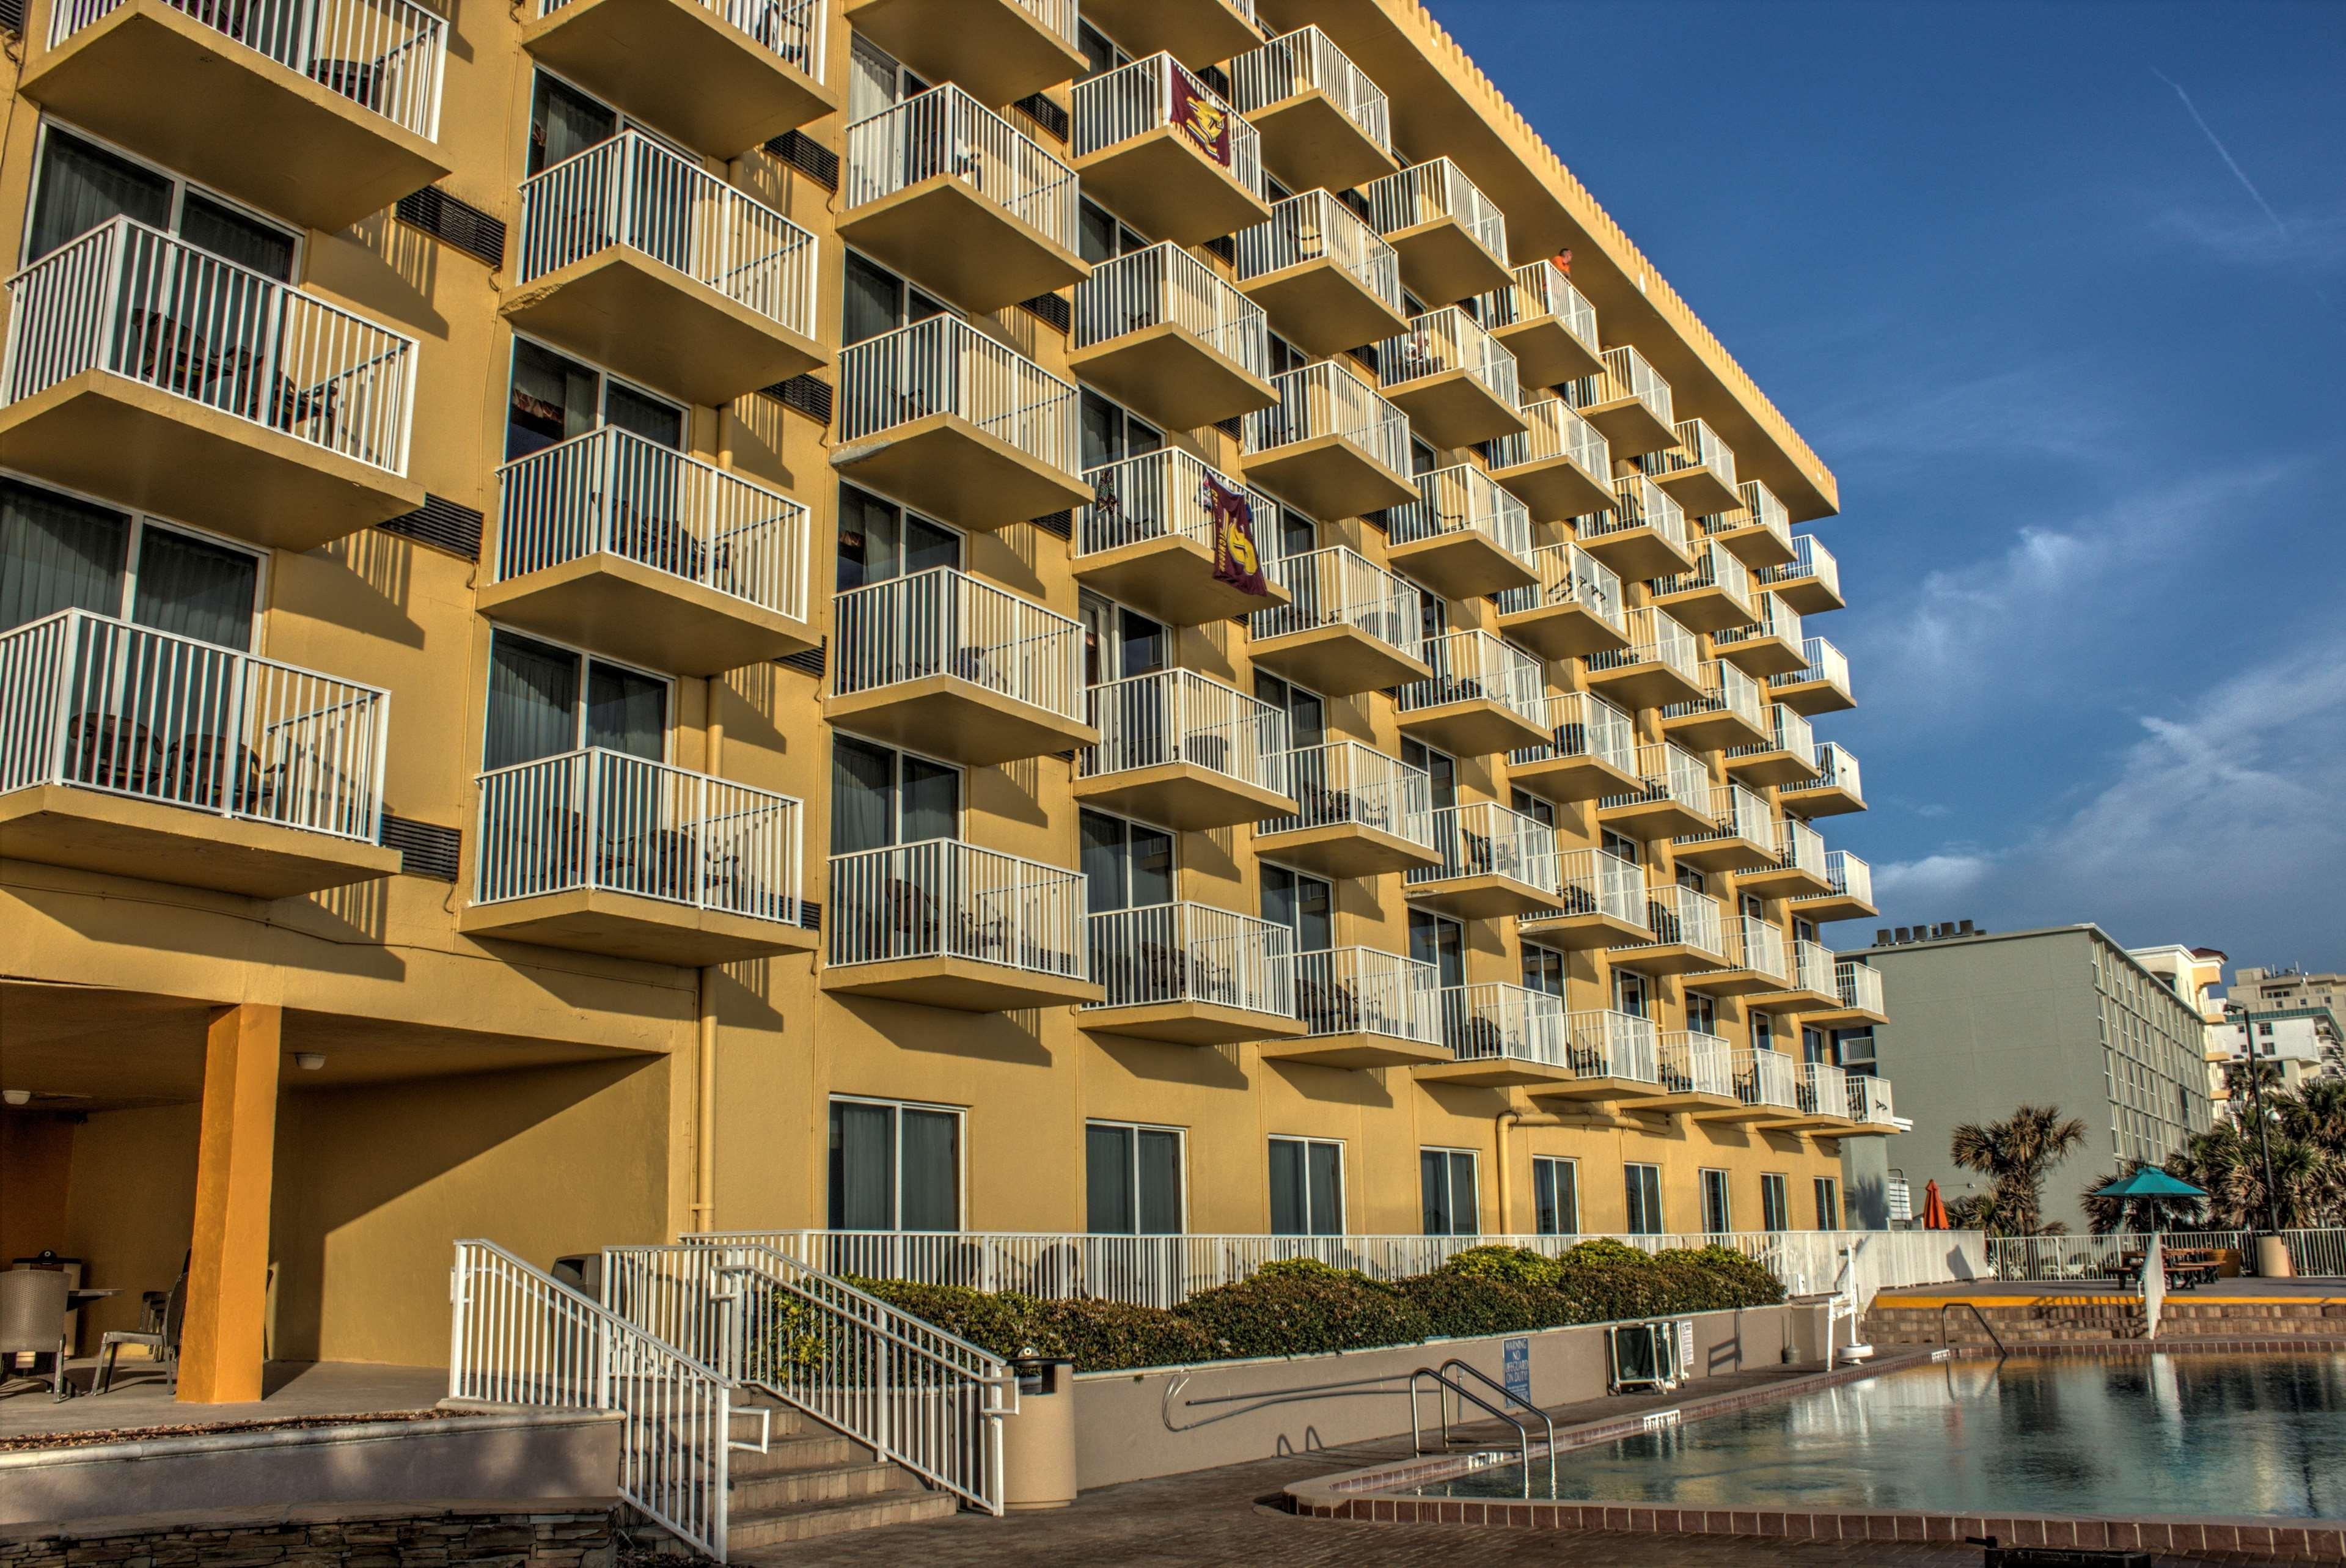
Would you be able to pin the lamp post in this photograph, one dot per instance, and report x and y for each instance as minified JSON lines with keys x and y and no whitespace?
{"x":2256,"y":1109}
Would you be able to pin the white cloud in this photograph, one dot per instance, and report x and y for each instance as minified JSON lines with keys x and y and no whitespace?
{"x":2314,"y":242}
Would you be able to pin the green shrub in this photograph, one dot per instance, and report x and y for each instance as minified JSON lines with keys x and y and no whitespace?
{"x":1517,"y":1266}
{"x":1458,"y":1304}
{"x":1748,"y":1281}
{"x":1106,"y":1336}
{"x":1605,"y":1250}
{"x":1303,"y":1269}
{"x":1303,"y":1312}
{"x":1001,"y":1321}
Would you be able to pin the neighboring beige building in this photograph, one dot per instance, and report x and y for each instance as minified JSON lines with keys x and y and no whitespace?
{"x":2270,"y":989}
{"x":2194,"y":974}
{"x":611,"y":627}
{"x":2302,"y":1041}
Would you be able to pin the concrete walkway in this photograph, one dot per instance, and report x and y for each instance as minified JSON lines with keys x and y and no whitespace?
{"x":141,"y":1398}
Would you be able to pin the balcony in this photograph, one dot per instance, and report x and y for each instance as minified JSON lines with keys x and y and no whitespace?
{"x":1148,"y":539}
{"x":1741,"y":835}
{"x":1160,"y":332}
{"x":1716,"y":595}
{"x":1352,"y":625}
{"x":1198,"y":34}
{"x":1809,"y":984}
{"x":1591,"y":751}
{"x":1484,"y":696}
{"x":1671,"y":796}
{"x":1823,"y":1090}
{"x":1560,"y":466}
{"x":1787,"y":757}
{"x":1772,"y":644}
{"x":1452,"y":378}
{"x":1184,"y":751}
{"x":1698,"y":473}
{"x":1629,"y":401}
{"x":621,"y":544}
{"x":1658,"y":667}
{"x":1755,"y":960}
{"x":947,"y":924}
{"x":1758,"y":529}
{"x":1686,"y":933}
{"x":1612,"y":1056}
{"x":1547,"y":323}
{"x":1363,"y":1008}
{"x":1869,"y":1103}
{"x":1499,"y":1035}
{"x":944,"y":191}
{"x":135,"y":753}
{"x":322,"y":114}
{"x":1452,"y":238}
{"x":644,"y":262}
{"x":162,"y":377}
{"x":1326,"y":279}
{"x":1796,"y":870}
{"x":1158,"y":147}
{"x":1463,"y":536}
{"x":1572,"y":610}
{"x":945,"y":419}
{"x":1836,"y":790}
{"x":1191,"y":975}
{"x":1358,"y":813}
{"x":1766,"y":1089}
{"x":1321,"y":120}
{"x":1820,"y":686}
{"x":1493,"y":863}
{"x":1849,"y":894}
{"x":1001,"y":50}
{"x":957,"y":668}
{"x":1642,"y":536}
{"x":721,"y":75}
{"x":1602,"y":904}
{"x":1697,"y":1073}
{"x":606,"y":853}
{"x":1330,"y":444}
{"x":1811,"y":581}
{"x":1730,"y":712}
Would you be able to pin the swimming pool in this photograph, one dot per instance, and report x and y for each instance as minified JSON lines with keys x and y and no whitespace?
{"x":2218,"y":1435}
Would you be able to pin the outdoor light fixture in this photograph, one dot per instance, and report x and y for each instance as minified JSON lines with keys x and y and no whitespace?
{"x":309,"y":1061}
{"x":17,"y":1096}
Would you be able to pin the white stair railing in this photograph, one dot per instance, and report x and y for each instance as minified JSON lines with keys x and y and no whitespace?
{"x":1569,"y":575}
{"x":945,"y":132}
{"x":1433,"y":189}
{"x":1165,"y":285}
{"x":1183,"y":952}
{"x":1314,"y":226}
{"x":1583,"y":725}
{"x":1326,"y":399}
{"x":1337,"y":586}
{"x":941,"y":898}
{"x":1114,"y":106}
{"x":1440,"y":342}
{"x":1303,"y":61}
{"x":1475,"y":664}
{"x":1346,"y":784}
{"x":1363,"y":991}
{"x":1178,"y":716}
{"x":942,"y":622}
{"x":1552,"y":430}
{"x":945,"y":366}
{"x":1484,"y":839}
{"x":1463,"y":499}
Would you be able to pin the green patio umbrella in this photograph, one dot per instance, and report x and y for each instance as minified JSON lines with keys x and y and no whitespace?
{"x":2154,"y":1183}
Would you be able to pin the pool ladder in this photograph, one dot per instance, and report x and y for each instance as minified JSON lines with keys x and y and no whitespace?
{"x":1981,"y":1318}
{"x":1445,"y":1385}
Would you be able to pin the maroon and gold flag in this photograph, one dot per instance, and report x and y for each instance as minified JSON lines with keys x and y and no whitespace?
{"x":1202,"y":120}
{"x":1235,"y":559}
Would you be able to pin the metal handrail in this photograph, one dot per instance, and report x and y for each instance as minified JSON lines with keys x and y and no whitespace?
{"x":1505,"y":1393}
{"x":1441,"y":1382}
{"x":1972,"y":1307}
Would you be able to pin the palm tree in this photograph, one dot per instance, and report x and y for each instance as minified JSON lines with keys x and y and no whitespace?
{"x":2014,"y":1154}
{"x":2309,"y":1169}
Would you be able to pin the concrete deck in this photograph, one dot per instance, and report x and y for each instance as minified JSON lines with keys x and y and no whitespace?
{"x":140,"y":1398}
{"x":2014,"y":1292}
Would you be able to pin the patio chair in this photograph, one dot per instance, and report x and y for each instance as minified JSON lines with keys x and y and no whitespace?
{"x":33,"y":1320}
{"x":164,"y":1344}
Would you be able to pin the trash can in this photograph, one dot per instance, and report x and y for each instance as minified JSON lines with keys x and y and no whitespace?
{"x":1038,"y":1443}
{"x":2273,"y":1259}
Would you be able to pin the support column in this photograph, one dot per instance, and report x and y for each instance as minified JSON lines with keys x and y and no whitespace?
{"x":221,"y":1343}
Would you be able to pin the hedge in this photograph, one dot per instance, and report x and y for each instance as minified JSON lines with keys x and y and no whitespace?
{"x":1303,"y":1308}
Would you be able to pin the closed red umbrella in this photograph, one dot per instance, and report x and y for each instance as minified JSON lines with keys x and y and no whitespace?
{"x":1934,"y":1208}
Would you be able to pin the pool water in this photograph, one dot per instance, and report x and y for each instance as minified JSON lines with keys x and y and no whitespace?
{"x":2201,"y":1435}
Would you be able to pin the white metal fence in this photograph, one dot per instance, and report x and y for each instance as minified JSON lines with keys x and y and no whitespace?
{"x":1666,"y":771}
{"x":1569,"y":574}
{"x":632,"y":191}
{"x":945,"y":366}
{"x":1553,"y":430}
{"x":1823,"y":1090}
{"x":1492,"y":1020}
{"x":944,"y":133}
{"x":1165,"y":285}
{"x":1637,"y":502}
{"x":602,"y":819}
{"x":1191,"y":952}
{"x":1869,"y":1099}
{"x":1858,"y":986}
{"x":1694,"y":1063}
{"x":1836,"y":770}
{"x":1178,"y":716}
{"x":794,"y":30}
{"x":1434,"y":189}
{"x":1595,"y":882}
{"x":1750,"y":942}
{"x":942,"y":622}
{"x":1304,"y":61}
{"x":1772,"y":617}
{"x":1736,"y":815}
{"x":1699,"y":447}
{"x":1627,"y":374}
{"x":1315,"y":226}
{"x":1655,"y":638}
{"x":99,"y":704}
{"x":1788,"y":732}
{"x":1440,"y":342}
{"x":1761,"y":509}
{"x":1766,"y":1078}
{"x":1541,"y":290}
{"x":1583,"y":725}
{"x":1362,"y":990}
{"x":1826,"y":663}
{"x":1811,"y":562}
{"x":1850,"y":876}
{"x":1475,"y":664}
{"x":1678,"y":915}
{"x":133,"y":301}
{"x":1799,"y":847}
{"x":1605,"y":1043}
{"x":1714,"y":567}
{"x":1337,"y":586}
{"x":1346,"y":784}
{"x":611,"y":492}
{"x":384,"y":56}
{"x":1484,"y":839}
{"x":1814,"y":967}
{"x":1726,"y":688}
{"x":1463,"y":499}
{"x":1326,"y":399}
{"x":944,"y":899}
{"x":1132,"y":100}
{"x":1167,"y":493}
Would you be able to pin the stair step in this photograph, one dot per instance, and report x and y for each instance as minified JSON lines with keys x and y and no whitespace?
{"x":778,"y":1489}
{"x":813,"y":1450}
{"x":807,"y":1520}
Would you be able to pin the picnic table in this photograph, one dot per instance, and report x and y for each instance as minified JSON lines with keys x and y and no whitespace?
{"x":2184,"y":1266}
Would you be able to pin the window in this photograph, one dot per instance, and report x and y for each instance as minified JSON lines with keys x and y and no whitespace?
{"x":1763,"y":1031}
{"x":875,"y":301}
{"x":1812,"y":1047}
{"x":1446,"y":1181}
{"x":1629,"y":849}
{"x":78,"y":184}
{"x":1307,"y":1187}
{"x":59,"y":552}
{"x":1101,"y":53}
{"x":1118,"y":643}
{"x":1111,"y":434}
{"x":1306,"y":722}
{"x":879,"y":541}
{"x":1828,"y":1204}
{"x":1441,"y":770}
{"x":881,"y":797}
{"x":1555,"y":1195}
{"x":876,"y":80}
{"x":1802,"y":929}
{"x":1545,"y":970}
{"x":1126,"y":865}
{"x":1687,"y":877}
{"x":1132,"y":1179}
{"x":1753,"y":907}
{"x":545,"y":699}
{"x":1298,"y":534}
{"x":1442,"y":943}
{"x":1775,"y":1204}
{"x":1631,"y":993}
{"x":554,"y":397}
{"x":1100,"y":235}
{"x":1285,"y":356}
{"x":1531,"y":805}
{"x":1305,"y":905}
{"x":1716,"y":1218}
{"x":895,"y":1166}
{"x":1644,"y":1184}
{"x":1702,"y":1014}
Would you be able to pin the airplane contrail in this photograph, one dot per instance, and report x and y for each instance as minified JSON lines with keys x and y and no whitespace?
{"x":2222,"y":151}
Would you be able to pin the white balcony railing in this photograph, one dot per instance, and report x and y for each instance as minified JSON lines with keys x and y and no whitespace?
{"x":944,"y":131}
{"x":1869,"y":1099}
{"x":1180,"y":717}
{"x":1772,"y":618}
{"x":1694,"y":1063}
{"x":1606,"y":1044}
{"x":1681,"y":916}
{"x":1059,"y":17}
{"x":606,"y":821}
{"x":1811,"y":562}
{"x":1346,"y":784}
{"x":635,"y":193}
{"x":1304,"y":61}
{"x":1699,"y":447}
{"x":1859,"y":986}
{"x":1463,"y":499}
{"x":944,"y":899}
{"x":1314,"y":227}
{"x":1668,"y":772}
{"x":133,"y":301}
{"x":1799,"y":847}
{"x":1714,"y":567}
{"x":1761,"y":510}
{"x":1836,"y":770}
{"x":1440,"y":342}
{"x":1360,"y":991}
{"x":1580,"y":724}
{"x":1434,"y":189}
{"x":612,"y":492}
{"x":1541,"y":290}
{"x":1337,"y":586}
{"x":98,"y":704}
{"x":1326,"y":399}
{"x":1851,"y":877}
{"x":1569,"y":574}
{"x":1823,"y":1090}
{"x":1767,"y":1078}
{"x":1484,"y":839}
{"x":943,"y":623}
{"x":1627,"y":374}
{"x":1813,"y":968}
{"x":388,"y":56}
{"x":1468,"y":666}
{"x":1166,"y":286}
{"x":945,"y":366}
{"x":1826,"y":663}
{"x":1637,"y":502}
{"x":1553,"y":430}
{"x":1177,"y":952}
{"x":1166,"y":493}
{"x":1788,"y":732}
{"x":1494,"y":1020}
{"x":1737,"y":813}
{"x":1750,"y":942}
{"x":1595,"y":882}
{"x":795,"y":31}
{"x":1725,"y":690}
{"x":1655,"y":638}
{"x":1133,"y":100}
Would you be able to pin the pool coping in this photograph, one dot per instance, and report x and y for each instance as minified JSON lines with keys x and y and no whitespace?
{"x":1365,"y":1495}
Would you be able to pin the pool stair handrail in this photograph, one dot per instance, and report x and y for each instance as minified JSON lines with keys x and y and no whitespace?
{"x":1972,"y":1307}
{"x":1441,"y":1381}
{"x":1506,"y":1396}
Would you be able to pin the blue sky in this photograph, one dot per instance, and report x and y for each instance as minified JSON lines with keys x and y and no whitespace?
{"x":2079,"y":360}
